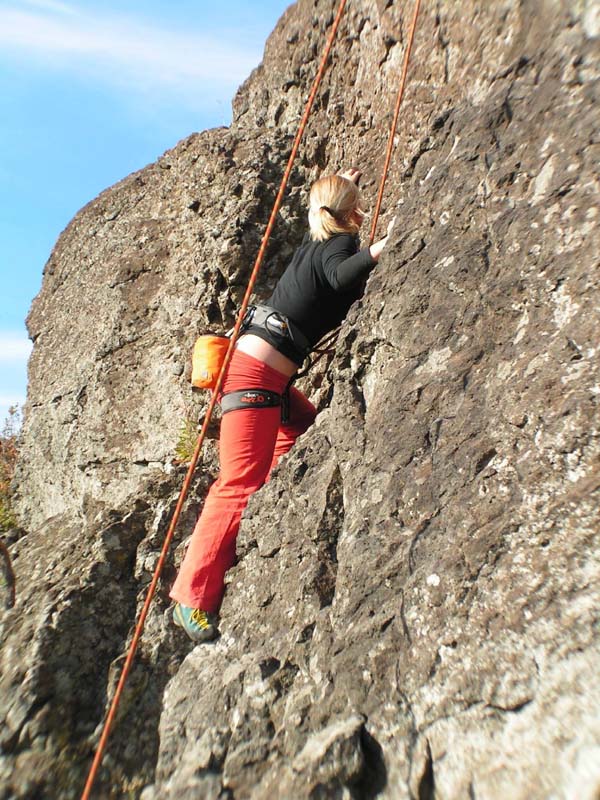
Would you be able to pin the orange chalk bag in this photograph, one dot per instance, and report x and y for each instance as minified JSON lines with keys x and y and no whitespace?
{"x":207,"y":357}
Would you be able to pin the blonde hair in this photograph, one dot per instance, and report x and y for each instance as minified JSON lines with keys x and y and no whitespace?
{"x":332,"y":201}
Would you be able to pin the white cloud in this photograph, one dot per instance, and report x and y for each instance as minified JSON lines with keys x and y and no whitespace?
{"x":14,"y":348}
{"x":123,"y":50}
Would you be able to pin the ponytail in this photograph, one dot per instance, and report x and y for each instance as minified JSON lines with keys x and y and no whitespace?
{"x":333,"y":200}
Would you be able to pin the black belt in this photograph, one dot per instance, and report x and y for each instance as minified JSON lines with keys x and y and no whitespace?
{"x":278,"y":330}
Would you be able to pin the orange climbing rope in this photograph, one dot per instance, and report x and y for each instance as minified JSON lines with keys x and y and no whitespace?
{"x":213,"y":400}
{"x":390,"y":145}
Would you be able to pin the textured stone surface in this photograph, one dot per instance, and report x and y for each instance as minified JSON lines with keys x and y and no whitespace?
{"x":415,"y":609}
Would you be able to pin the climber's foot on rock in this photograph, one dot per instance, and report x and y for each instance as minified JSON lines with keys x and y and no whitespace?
{"x":199,"y":625}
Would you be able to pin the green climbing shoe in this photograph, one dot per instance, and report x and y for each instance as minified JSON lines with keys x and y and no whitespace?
{"x":199,"y":625}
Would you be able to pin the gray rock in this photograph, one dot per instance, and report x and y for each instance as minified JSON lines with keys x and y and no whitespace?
{"x":414,"y":613}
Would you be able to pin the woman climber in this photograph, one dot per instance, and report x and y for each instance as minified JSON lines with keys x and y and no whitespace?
{"x":262,"y":415}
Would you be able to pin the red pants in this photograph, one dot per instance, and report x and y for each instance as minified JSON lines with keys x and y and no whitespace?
{"x":251,"y":443}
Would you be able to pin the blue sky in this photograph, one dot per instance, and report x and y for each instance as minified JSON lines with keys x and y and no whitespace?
{"x":91,"y":91}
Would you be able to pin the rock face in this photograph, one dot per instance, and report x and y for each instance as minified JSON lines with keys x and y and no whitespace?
{"x":414,"y":613}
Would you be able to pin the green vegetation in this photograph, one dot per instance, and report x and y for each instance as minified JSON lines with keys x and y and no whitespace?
{"x":8,"y":457}
{"x":186,"y":444}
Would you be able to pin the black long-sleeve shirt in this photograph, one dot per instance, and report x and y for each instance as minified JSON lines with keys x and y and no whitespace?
{"x":321,"y":283}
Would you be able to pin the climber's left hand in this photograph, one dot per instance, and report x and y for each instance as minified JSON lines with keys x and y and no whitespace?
{"x":351,"y":174}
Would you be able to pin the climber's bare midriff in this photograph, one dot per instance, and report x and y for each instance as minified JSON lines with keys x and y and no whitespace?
{"x":257,"y":348}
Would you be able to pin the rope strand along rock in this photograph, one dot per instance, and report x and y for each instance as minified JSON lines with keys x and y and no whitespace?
{"x":390,"y":145}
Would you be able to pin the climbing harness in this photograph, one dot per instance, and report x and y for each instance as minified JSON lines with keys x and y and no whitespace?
{"x":286,"y":337}
{"x":270,"y":325}
{"x":219,"y":382}
{"x":273,"y":327}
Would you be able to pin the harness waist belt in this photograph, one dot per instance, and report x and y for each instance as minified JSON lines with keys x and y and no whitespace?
{"x":277,"y":329}
{"x":249,"y":398}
